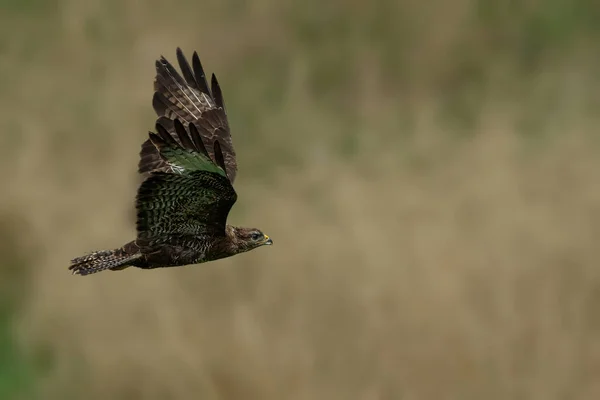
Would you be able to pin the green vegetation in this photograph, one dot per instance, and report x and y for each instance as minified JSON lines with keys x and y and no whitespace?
{"x":17,"y":371}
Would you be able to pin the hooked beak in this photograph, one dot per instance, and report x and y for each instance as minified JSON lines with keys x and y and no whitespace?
{"x":267,"y":241}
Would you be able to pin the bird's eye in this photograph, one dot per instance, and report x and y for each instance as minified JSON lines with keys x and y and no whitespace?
{"x":255,"y":236}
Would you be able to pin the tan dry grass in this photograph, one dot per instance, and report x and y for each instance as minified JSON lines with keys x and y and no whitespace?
{"x":474,"y":278}
{"x":419,"y":269}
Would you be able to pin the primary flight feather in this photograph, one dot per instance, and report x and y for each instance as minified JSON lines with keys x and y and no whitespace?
{"x":189,"y":166}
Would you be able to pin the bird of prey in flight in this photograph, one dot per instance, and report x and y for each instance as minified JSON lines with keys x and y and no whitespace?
{"x":188,"y":166}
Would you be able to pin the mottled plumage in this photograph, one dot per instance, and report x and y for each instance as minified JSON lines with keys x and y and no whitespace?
{"x":188,"y":166}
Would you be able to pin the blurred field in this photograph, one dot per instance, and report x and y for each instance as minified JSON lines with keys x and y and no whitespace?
{"x":429,"y":173}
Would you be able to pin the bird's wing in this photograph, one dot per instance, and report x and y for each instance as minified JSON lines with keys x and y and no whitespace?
{"x":189,"y":99}
{"x":191,"y":194}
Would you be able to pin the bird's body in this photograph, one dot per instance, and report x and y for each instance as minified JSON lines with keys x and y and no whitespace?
{"x":188,"y":166}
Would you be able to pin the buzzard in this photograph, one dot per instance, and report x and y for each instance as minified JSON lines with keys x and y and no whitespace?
{"x":188,"y":167}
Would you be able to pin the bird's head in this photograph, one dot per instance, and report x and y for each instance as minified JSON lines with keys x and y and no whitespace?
{"x":248,"y":238}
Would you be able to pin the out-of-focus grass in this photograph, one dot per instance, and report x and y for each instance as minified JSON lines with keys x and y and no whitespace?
{"x":17,"y":372}
{"x":428,"y":172}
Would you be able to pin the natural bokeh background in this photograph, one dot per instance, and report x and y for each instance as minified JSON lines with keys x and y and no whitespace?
{"x":429,"y":172}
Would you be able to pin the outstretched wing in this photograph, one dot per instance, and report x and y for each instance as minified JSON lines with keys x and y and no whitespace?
{"x":191,"y":194}
{"x":189,"y":99}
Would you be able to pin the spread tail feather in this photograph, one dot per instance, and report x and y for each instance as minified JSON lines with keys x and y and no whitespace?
{"x":97,"y":261}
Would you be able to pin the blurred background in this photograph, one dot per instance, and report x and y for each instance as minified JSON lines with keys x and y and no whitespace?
{"x":429,"y":173}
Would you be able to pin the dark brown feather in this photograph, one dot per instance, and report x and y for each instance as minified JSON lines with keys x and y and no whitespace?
{"x":200,"y":75}
{"x":166,"y":136}
{"x":217,"y":95}
{"x":186,"y":70}
{"x":190,"y":100}
{"x":219,"y":156}
{"x":166,"y":123}
{"x":172,"y":71}
{"x":150,"y":159}
{"x":197,"y":139}
{"x":160,"y":103}
{"x":183,"y":136}
{"x":178,"y":99}
{"x":157,"y":140}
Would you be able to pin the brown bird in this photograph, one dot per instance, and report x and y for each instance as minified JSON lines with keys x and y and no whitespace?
{"x":188,"y":167}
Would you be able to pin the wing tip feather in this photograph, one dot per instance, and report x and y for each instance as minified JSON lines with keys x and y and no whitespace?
{"x":164,"y":134}
{"x":219,"y":159}
{"x":197,"y":139}
{"x":216,"y":91}
{"x":182,"y":134}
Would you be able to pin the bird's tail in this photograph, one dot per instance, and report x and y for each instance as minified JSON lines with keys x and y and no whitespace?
{"x":97,"y":261}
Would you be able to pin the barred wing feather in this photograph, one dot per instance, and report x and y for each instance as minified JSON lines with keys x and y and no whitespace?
{"x":189,"y":100}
